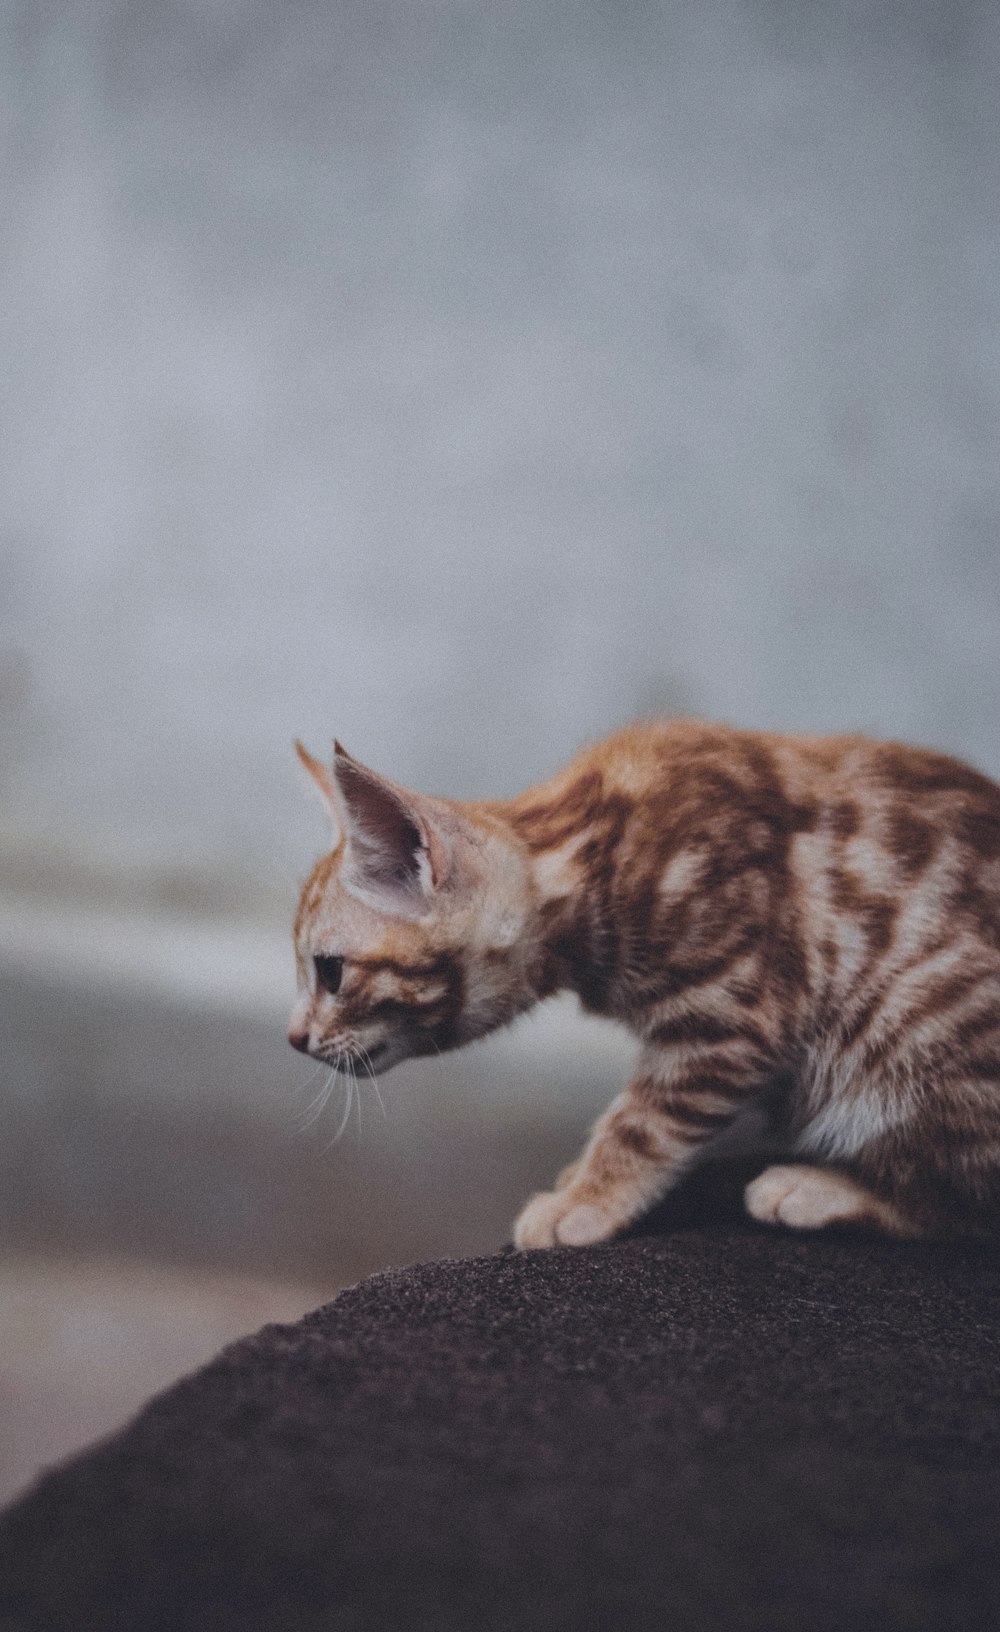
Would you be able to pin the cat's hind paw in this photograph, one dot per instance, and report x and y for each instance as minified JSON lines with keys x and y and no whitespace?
{"x":553,"y":1219}
{"x":804,"y":1198}
{"x":809,"y":1198}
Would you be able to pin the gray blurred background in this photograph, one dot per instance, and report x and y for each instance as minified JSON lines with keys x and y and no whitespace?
{"x":463,"y":380}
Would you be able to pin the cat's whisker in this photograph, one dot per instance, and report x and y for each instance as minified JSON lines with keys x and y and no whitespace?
{"x":351,"y":1075}
{"x":304,"y":1087}
{"x":348,"y":1102}
{"x":365,"y":1059}
{"x":319,"y":1103}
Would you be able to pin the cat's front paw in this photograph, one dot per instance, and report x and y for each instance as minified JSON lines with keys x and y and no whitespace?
{"x":553,"y":1218}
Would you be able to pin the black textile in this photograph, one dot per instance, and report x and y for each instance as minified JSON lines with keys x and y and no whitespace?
{"x":714,"y":1427}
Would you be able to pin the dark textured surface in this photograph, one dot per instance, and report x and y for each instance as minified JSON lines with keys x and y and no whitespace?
{"x":707,"y":1426}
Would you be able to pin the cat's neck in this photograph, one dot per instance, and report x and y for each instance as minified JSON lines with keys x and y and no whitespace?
{"x":570,"y":935}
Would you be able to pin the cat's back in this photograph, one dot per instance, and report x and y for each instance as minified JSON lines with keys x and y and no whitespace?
{"x":870,"y":857}
{"x":885,"y":814}
{"x":801,"y":780}
{"x":893,"y":810}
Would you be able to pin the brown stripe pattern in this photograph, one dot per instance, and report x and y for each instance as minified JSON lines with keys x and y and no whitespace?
{"x":806,"y":928}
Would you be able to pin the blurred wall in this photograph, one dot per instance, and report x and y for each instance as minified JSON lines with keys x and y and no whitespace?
{"x":465,"y":379}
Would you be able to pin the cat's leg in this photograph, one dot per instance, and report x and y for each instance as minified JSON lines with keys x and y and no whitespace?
{"x":809,"y":1198}
{"x":915,"y":1149}
{"x":638,"y":1149}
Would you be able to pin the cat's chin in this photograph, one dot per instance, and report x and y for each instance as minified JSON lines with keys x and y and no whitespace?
{"x":381,"y":1058}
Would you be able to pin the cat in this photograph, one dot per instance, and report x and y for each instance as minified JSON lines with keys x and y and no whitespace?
{"x":807,"y":926}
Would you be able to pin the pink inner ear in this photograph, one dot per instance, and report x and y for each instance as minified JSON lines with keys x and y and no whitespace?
{"x":386,"y":838}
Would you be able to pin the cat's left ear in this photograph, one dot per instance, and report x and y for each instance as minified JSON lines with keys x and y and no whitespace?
{"x":396,"y":851}
{"x":321,"y":777}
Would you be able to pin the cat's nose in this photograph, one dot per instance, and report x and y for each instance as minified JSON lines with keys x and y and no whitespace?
{"x":299,"y":1040}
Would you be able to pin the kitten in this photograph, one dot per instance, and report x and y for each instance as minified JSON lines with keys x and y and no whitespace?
{"x":806,"y":925}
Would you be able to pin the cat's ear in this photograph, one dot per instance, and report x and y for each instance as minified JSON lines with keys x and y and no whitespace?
{"x":321,"y":777}
{"x":396,"y":853}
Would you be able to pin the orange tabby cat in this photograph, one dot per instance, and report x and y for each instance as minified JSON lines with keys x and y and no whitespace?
{"x":806,"y":925}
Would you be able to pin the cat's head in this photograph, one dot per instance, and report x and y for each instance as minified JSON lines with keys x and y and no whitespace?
{"x":412,"y":934}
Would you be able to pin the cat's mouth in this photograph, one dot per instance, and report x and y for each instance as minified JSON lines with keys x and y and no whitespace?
{"x":342,"y":1058}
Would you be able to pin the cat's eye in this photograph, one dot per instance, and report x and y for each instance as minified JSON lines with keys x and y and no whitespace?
{"x":329,"y":972}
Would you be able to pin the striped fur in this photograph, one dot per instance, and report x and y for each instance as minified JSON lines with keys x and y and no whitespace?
{"x":806,"y":927}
